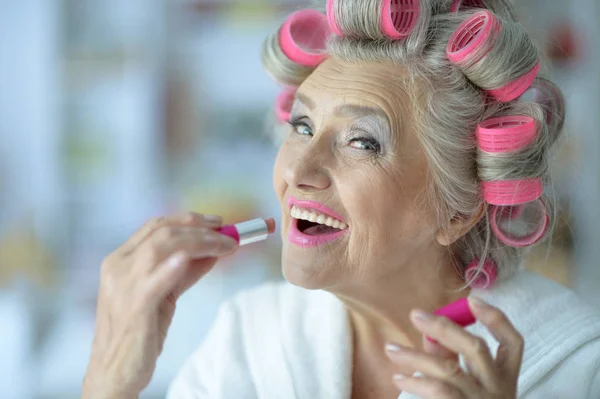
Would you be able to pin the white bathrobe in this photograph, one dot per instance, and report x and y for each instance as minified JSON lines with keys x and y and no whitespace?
{"x":284,"y":342}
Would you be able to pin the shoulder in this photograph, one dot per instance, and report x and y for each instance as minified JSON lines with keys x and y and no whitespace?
{"x":537,"y":305}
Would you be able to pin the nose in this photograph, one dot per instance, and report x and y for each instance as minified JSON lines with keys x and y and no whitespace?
{"x":308,"y":172}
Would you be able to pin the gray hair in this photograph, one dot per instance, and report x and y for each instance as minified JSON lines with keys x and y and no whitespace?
{"x":449,"y":103}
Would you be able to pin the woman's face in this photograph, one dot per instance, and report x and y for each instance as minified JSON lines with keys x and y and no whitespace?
{"x":353,"y":147}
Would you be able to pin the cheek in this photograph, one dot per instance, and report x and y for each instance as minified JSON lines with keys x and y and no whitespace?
{"x":386,"y":204}
{"x":364,"y":192}
{"x":279,"y":183}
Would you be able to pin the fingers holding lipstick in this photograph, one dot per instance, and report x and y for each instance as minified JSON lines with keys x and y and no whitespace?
{"x":456,"y":339}
{"x":194,"y":242}
{"x":435,"y":372}
{"x":190,"y":219}
{"x":434,"y":348}
{"x":446,"y":370}
{"x":510,"y":352}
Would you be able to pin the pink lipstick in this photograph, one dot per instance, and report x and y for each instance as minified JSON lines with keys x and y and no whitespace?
{"x":249,"y":232}
{"x":459,"y":312}
{"x":308,"y":234}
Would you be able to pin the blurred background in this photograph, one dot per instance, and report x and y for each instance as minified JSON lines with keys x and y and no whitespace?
{"x":113,"y":112}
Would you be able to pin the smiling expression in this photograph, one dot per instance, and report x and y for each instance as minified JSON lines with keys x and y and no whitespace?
{"x":352,"y":178}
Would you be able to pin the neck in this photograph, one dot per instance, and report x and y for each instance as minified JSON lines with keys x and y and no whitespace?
{"x":379,"y":310}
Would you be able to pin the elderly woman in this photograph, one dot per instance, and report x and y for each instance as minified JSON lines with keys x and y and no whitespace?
{"x":411,"y":176}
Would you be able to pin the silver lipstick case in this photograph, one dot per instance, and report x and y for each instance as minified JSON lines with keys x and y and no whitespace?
{"x":252,"y":231}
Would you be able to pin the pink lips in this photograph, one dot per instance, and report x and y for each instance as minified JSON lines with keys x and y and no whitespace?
{"x":295,"y":236}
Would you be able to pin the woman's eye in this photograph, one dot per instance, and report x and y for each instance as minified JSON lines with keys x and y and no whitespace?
{"x":366,"y":144}
{"x":302,"y":128}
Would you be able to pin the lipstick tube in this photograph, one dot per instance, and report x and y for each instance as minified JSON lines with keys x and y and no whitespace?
{"x":459,"y":312}
{"x":249,"y":232}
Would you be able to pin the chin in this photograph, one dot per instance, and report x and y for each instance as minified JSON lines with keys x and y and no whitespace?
{"x":302,"y":272}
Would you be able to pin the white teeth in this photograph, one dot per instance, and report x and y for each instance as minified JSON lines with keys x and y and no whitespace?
{"x":315,"y":217}
{"x":295,"y":213}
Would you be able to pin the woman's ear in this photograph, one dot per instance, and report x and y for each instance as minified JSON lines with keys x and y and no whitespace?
{"x":459,"y":226}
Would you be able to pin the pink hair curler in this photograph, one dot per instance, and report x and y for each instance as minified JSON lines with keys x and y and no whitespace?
{"x":483,"y":278}
{"x":398,"y":17}
{"x":506,"y":133}
{"x":459,"y":5}
{"x":512,"y":192}
{"x":284,"y":103}
{"x":302,"y":37}
{"x":511,"y":212}
{"x":459,"y":312}
{"x":515,"y":88}
{"x":466,"y":42}
{"x":527,"y":240}
{"x":546,"y":94}
{"x":474,"y":39}
{"x":331,"y":17}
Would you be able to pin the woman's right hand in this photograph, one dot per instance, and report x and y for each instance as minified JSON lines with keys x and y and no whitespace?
{"x":139,"y":286}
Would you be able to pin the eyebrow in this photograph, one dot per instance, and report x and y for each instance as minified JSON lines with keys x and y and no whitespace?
{"x":305,"y":100}
{"x":358,"y":111}
{"x":345,"y":110}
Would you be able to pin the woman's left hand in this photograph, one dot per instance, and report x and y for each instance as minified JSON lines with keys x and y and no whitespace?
{"x":442,"y":376}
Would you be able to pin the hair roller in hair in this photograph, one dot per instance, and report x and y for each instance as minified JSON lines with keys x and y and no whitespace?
{"x":516,"y":232}
{"x":292,"y":53}
{"x":512,"y":192}
{"x":459,"y":5}
{"x":515,"y":88}
{"x":476,"y":38}
{"x":501,"y":135}
{"x":481,"y":278}
{"x":283,"y":104}
{"x":511,"y":212}
{"x":332,"y":18}
{"x":396,"y":18}
{"x":506,"y":133}
{"x":549,"y":96}
{"x":473,"y":39}
{"x":302,"y":37}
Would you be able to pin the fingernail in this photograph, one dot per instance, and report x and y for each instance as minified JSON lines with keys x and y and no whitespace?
{"x":213,"y":218}
{"x":229,"y":244}
{"x":393,"y":348}
{"x":421,"y":316}
{"x":478,"y":302}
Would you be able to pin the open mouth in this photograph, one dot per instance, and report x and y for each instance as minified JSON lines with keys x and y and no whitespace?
{"x":313,"y":223}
